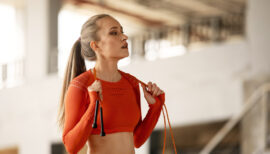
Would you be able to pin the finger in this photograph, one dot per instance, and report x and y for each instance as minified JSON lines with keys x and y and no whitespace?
{"x":96,"y":86}
{"x":154,"y":86}
{"x":144,"y":89}
{"x":99,"y":84}
{"x":159,"y":92}
{"x":149,"y":86}
{"x":155,"y":91}
{"x":100,"y":96}
{"x":100,"y":91}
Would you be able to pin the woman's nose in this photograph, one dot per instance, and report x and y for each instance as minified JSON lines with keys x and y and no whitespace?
{"x":124,"y":37}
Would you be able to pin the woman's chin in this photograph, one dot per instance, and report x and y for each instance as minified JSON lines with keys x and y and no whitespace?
{"x":122,"y":56}
{"x":125,"y":51}
{"x":126,"y":54}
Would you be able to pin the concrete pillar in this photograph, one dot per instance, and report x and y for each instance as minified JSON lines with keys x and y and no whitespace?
{"x":54,"y":7}
{"x":37,"y":36}
{"x":258,"y":35}
{"x":255,"y":125}
{"x":41,"y":38}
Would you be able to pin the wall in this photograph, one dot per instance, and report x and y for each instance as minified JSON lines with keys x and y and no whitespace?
{"x":201,"y":86}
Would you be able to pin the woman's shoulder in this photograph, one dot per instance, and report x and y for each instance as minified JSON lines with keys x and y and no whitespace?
{"x":131,"y":78}
{"x":133,"y":81}
{"x":84,"y":79}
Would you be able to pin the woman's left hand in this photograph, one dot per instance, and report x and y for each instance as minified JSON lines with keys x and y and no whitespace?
{"x":151,"y":92}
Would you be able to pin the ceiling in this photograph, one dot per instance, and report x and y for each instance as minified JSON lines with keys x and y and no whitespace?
{"x":194,"y":20}
{"x":164,"y":12}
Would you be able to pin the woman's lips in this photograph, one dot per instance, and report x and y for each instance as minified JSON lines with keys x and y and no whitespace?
{"x":125,"y":46}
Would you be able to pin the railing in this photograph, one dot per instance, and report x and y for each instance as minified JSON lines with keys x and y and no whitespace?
{"x":11,"y":74}
{"x":249,"y":103}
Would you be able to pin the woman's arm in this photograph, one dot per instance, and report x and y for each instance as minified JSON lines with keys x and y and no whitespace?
{"x":78,"y":117}
{"x":145,"y":127}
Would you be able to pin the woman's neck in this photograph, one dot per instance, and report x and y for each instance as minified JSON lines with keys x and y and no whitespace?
{"x":107,"y":71}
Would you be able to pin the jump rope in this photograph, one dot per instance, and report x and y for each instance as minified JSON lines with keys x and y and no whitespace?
{"x":102,"y":133}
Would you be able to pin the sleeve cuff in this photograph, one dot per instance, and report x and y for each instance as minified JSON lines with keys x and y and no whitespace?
{"x":93,"y":96}
{"x":157,"y":103}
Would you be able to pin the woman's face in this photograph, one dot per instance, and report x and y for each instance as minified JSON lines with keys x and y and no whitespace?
{"x":112,"y":39}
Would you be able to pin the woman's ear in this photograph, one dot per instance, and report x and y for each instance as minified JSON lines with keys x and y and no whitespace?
{"x":93,"y":45}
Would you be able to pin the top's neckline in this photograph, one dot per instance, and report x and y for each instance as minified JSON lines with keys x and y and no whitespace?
{"x":108,"y":82}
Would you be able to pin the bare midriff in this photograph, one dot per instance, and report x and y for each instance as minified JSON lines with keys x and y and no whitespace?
{"x":114,"y":143}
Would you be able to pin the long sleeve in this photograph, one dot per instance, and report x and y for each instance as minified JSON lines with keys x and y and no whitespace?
{"x":145,"y":127}
{"x":79,"y":117}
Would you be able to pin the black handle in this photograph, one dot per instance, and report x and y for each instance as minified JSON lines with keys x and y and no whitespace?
{"x":102,"y":133}
{"x":95,"y":118}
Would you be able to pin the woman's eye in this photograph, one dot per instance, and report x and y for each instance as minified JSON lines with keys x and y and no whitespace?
{"x":114,"y":33}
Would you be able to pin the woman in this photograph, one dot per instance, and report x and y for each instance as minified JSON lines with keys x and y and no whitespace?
{"x":102,"y":39}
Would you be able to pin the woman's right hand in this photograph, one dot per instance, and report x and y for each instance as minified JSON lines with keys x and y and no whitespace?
{"x":96,"y":86}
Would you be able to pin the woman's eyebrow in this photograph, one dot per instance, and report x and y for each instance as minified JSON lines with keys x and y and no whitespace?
{"x":116,"y":27}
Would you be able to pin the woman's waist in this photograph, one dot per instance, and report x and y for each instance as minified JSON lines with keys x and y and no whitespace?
{"x":118,"y":142}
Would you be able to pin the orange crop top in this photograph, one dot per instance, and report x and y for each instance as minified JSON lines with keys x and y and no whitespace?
{"x":121,"y":110}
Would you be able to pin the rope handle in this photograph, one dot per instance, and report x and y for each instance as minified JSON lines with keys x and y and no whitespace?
{"x":164,"y":142}
{"x":95,"y":78}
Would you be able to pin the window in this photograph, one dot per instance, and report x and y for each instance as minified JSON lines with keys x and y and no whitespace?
{"x":11,"y":55}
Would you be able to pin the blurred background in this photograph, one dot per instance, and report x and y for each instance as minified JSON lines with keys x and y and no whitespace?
{"x":211,"y":57}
